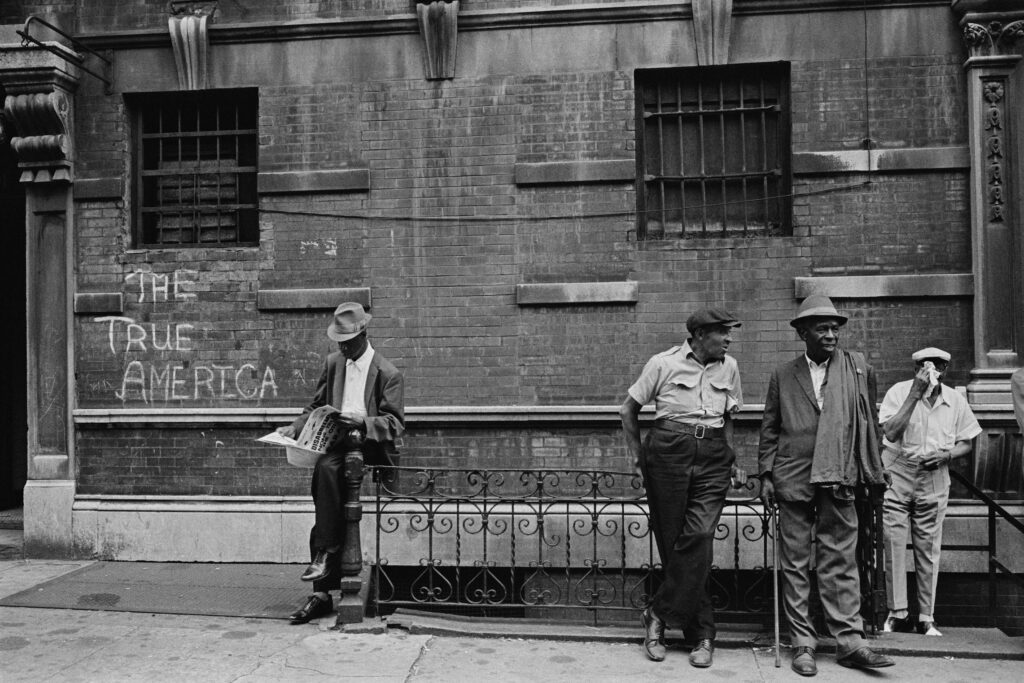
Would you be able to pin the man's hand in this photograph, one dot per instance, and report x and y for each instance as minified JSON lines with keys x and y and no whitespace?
{"x":287,"y":430}
{"x":921,"y":385}
{"x":767,"y":490}
{"x":738,"y":477}
{"x":932,"y":461}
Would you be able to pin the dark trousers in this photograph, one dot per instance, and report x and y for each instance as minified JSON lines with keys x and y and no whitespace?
{"x":834,"y":524}
{"x":328,"y":533}
{"x":686,"y":481}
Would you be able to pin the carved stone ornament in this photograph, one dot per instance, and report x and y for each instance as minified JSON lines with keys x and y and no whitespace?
{"x":42,"y":135}
{"x":712,"y":27}
{"x":439,"y":27}
{"x":993,"y":91}
{"x":994,"y":38}
{"x":191,"y":41}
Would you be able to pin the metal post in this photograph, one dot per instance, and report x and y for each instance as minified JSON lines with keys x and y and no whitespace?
{"x":775,"y":579}
{"x":352,"y":550}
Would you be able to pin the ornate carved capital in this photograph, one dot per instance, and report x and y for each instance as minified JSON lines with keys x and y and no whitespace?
{"x":439,"y":26}
{"x":42,"y":135}
{"x":190,"y":41}
{"x":993,"y":38}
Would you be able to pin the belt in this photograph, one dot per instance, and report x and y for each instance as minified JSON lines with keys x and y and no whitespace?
{"x":696,"y":431}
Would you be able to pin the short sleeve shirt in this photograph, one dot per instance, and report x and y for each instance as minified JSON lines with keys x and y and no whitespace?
{"x":684,"y":390}
{"x":931,"y":428}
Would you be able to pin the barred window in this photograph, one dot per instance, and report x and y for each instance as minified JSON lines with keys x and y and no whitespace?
{"x":195,"y":168}
{"x":713,"y":151}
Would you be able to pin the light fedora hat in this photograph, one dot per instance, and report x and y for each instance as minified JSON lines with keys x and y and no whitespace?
{"x":349,"y":320}
{"x":817,"y":306}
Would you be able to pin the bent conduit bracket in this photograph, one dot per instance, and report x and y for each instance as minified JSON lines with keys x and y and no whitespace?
{"x":27,"y":39}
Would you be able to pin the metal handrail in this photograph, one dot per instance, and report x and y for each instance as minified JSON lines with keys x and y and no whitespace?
{"x":28,"y":39}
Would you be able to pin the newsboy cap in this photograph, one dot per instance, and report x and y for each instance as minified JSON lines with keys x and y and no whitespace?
{"x":349,"y":320}
{"x":711,"y":316}
{"x":930,"y":352}
{"x":817,"y":306}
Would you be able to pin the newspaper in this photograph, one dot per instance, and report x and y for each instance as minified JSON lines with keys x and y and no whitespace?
{"x":324,"y":427}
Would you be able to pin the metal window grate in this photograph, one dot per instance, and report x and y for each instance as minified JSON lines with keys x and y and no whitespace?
{"x":713,"y":148}
{"x":196,"y":163}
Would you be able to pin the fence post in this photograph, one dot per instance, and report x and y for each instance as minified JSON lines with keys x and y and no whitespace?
{"x":352,"y":550}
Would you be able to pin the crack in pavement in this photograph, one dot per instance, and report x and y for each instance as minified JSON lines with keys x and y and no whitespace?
{"x":415,"y":665}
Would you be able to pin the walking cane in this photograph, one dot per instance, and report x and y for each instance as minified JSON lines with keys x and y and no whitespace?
{"x":775,"y":579}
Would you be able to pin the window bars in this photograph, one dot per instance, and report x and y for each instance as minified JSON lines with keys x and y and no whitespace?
{"x":195,"y":168}
{"x":713,"y":151}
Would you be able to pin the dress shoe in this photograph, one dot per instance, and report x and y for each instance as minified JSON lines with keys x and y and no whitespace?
{"x":896,"y":625}
{"x":865,"y":658}
{"x":320,"y":567}
{"x":928,"y":628}
{"x":803,"y":661}
{"x":654,"y":635}
{"x":702,"y":655}
{"x":314,"y":607}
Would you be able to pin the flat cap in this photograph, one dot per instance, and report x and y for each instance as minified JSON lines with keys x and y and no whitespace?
{"x":930,"y":352}
{"x":711,"y":316}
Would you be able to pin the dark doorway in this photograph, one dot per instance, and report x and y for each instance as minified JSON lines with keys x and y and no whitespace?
{"x":13,"y":418}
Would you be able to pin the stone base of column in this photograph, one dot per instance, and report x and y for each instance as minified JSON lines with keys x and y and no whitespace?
{"x":355,"y":595}
{"x":990,"y":386}
{"x":48,"y":528}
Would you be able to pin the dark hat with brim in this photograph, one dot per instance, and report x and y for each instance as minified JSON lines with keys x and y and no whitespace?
{"x":349,"y":320}
{"x":817,"y":306}
{"x":711,"y":316}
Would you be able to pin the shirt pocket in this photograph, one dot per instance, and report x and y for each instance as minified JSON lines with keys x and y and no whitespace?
{"x":719,"y":395}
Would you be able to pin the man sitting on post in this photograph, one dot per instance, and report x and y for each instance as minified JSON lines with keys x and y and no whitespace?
{"x":369,"y":392}
{"x":926,"y":424}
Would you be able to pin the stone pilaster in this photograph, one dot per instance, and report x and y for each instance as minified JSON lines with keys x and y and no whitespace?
{"x":994,"y":41}
{"x":39,"y":111}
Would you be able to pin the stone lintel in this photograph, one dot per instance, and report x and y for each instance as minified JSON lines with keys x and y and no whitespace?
{"x":310,"y":299}
{"x":886,"y":286}
{"x":89,"y":189}
{"x":337,"y":180}
{"x":98,"y":303}
{"x":556,"y":172}
{"x":882,"y":160}
{"x":576,"y":293}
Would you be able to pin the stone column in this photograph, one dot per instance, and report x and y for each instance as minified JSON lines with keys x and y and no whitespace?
{"x":38,"y":107}
{"x":994,"y":36}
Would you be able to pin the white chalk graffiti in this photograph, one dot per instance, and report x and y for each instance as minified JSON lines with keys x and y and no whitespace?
{"x":171,"y":379}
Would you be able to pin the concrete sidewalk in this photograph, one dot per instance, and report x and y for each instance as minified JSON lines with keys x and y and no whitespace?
{"x":80,"y":645}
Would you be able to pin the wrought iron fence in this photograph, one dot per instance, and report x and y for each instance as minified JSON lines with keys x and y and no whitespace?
{"x":536,"y":542}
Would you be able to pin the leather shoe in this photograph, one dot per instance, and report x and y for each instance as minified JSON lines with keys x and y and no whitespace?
{"x":320,"y":567}
{"x":314,"y":607}
{"x":865,"y":658}
{"x":702,"y":655}
{"x":803,"y":661}
{"x":654,"y":635}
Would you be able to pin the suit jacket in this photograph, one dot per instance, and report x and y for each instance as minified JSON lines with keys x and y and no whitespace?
{"x":385,"y":404}
{"x":790,"y":427}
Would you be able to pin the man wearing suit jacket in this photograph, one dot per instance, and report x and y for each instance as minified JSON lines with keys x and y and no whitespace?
{"x":818,"y":442}
{"x":369,"y":392}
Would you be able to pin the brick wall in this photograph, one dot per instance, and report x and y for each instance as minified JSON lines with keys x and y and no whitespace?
{"x":443,"y":288}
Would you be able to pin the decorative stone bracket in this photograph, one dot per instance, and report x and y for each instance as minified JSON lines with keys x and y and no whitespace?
{"x":439,"y":26}
{"x":191,"y":40}
{"x":992,"y":38}
{"x":712,"y":27}
{"x":42,"y":137}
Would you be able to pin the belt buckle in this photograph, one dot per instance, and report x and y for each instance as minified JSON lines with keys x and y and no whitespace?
{"x":698,"y":431}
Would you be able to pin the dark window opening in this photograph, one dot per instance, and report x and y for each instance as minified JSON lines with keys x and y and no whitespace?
{"x":713,"y":151}
{"x":195,"y":168}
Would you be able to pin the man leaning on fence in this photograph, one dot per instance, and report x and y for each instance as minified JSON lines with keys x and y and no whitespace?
{"x":818,"y":444}
{"x":926,"y":424}
{"x":369,"y":392}
{"x":686,"y":463}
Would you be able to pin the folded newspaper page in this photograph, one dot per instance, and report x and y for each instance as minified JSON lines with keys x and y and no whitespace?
{"x":323,"y":428}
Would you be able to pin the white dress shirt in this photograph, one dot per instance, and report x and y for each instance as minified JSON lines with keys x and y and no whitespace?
{"x":818,"y":371}
{"x":353,"y":400}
